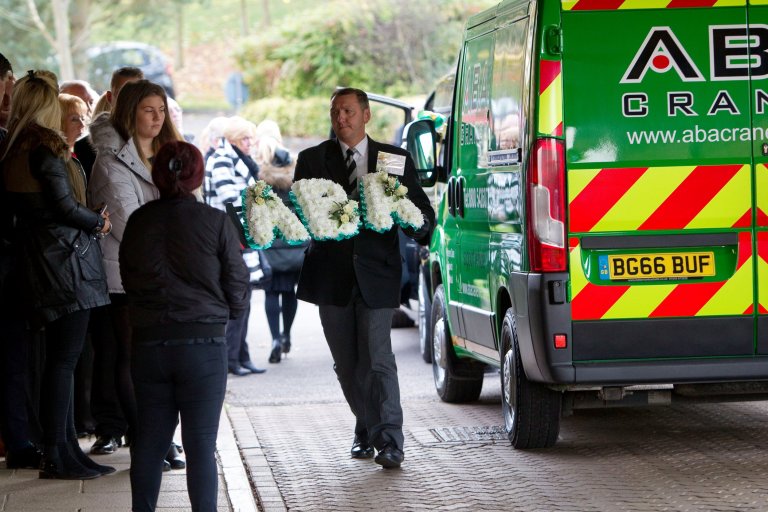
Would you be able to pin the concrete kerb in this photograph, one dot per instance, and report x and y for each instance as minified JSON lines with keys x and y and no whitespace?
{"x":240,"y":451}
{"x":239,"y":490}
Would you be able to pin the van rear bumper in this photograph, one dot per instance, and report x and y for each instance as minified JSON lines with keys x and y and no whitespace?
{"x":630,"y":352}
{"x":663,"y":338}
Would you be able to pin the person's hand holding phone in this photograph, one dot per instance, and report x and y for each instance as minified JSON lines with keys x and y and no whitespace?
{"x":107,"y":228}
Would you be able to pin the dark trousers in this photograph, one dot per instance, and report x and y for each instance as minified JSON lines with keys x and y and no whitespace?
{"x":64,"y":340}
{"x":237,"y":331}
{"x":113,"y":405}
{"x":277,"y":303}
{"x":21,"y":357}
{"x":359,"y":339}
{"x":171,"y":380}
{"x":15,"y":401}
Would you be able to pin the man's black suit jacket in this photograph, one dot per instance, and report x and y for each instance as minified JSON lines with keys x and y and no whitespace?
{"x":372,"y":259}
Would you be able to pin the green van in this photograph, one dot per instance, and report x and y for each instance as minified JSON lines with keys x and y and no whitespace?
{"x":603,"y":235}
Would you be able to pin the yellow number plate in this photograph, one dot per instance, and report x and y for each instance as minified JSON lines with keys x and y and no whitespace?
{"x":661,"y":266}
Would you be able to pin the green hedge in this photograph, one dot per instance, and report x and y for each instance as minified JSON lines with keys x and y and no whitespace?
{"x":393,"y":47}
{"x":296,"y":117}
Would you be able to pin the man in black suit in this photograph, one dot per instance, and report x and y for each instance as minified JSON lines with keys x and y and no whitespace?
{"x":356,"y":282}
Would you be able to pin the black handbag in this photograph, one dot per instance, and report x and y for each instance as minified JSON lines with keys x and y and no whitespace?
{"x":284,"y":257}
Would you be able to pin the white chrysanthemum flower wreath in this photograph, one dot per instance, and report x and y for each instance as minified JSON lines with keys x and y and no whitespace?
{"x":266,"y":216}
{"x":385,"y":202}
{"x":325,"y":210}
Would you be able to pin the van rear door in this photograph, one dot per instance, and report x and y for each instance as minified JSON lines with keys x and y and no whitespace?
{"x":658,"y":111}
{"x":757,"y":14}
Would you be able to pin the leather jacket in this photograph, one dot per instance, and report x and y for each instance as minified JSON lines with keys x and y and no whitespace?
{"x":54,"y":242}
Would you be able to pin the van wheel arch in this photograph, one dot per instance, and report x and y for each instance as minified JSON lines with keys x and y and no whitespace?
{"x":456,"y":379}
{"x":425,"y":316}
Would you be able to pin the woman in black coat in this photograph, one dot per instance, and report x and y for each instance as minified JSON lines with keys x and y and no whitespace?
{"x":182,"y":268}
{"x":57,"y":259}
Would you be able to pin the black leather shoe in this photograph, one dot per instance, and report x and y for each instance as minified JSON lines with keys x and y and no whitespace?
{"x":105,"y":445}
{"x":239,"y":371}
{"x":174,"y":459}
{"x":26,"y":458}
{"x":252,"y":368}
{"x":389,"y":457}
{"x":361,"y":450}
{"x":166,"y":466}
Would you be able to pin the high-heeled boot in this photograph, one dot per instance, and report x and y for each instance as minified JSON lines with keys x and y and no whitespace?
{"x":58,"y":463}
{"x":82,"y":458}
{"x":285,"y":342}
{"x":274,"y":356}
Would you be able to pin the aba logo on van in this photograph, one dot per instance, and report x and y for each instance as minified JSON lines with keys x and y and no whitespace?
{"x":736,"y":52}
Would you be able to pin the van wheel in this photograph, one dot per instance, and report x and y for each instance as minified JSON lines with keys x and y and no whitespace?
{"x":425,"y":319}
{"x":456,"y":380}
{"x":531,"y":410}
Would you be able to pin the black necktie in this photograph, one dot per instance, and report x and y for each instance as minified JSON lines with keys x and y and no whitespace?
{"x":351,"y":164}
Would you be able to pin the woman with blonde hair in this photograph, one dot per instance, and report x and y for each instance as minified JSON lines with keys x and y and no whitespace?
{"x":74,"y":116}
{"x":58,"y":259}
{"x":276,"y":169}
{"x":126,"y":141}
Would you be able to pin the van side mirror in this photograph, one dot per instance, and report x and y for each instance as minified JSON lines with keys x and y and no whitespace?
{"x":420,"y":142}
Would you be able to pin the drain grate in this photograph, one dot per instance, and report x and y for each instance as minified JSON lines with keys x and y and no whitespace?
{"x":469,"y":434}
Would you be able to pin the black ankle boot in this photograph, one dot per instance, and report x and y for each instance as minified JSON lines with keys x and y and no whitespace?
{"x":28,"y":457}
{"x":82,"y":458}
{"x":58,"y":463}
{"x":274,"y":356}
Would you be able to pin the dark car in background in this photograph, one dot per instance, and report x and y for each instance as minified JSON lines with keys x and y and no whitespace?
{"x":104,"y":59}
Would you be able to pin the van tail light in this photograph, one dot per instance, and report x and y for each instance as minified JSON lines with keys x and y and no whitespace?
{"x":546,"y":207}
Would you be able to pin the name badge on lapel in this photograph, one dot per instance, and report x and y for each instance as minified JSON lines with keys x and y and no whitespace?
{"x":390,"y":163}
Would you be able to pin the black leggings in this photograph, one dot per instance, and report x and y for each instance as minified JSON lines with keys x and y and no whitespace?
{"x":273,"y":308}
{"x":64,"y":341}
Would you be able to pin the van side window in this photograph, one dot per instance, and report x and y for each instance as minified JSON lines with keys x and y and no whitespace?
{"x":507,"y":89}
{"x":443,"y":100}
{"x":474,"y":130}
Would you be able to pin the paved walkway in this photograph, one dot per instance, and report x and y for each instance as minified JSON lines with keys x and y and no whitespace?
{"x":22,"y":490}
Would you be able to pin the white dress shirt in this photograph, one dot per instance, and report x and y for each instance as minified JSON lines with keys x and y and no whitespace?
{"x":360,"y":156}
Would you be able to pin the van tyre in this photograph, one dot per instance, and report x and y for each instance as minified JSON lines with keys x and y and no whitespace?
{"x":531,"y":410}
{"x":456,"y":380}
{"x":425,"y":319}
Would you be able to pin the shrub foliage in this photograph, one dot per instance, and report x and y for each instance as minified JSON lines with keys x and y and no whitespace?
{"x":394,"y":47}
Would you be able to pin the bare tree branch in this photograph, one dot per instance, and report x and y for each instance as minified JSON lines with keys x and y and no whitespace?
{"x":17,"y":20}
{"x":38,"y":22}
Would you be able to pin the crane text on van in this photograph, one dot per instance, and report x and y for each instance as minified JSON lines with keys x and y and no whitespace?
{"x":636,"y":104}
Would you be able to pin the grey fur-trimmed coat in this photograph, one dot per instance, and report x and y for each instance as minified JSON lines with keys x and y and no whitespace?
{"x":121,"y":180}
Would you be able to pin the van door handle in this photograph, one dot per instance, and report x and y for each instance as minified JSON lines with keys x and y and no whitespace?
{"x":452,"y":196}
{"x":460,"y":196}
